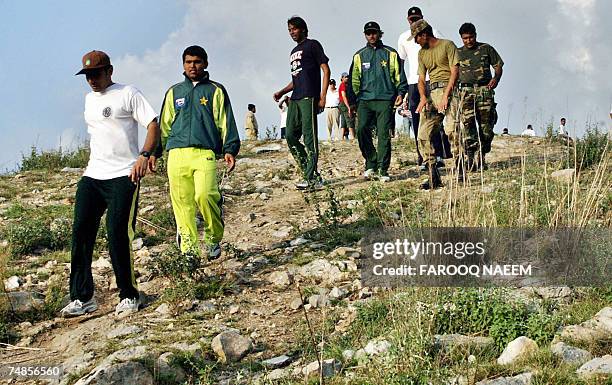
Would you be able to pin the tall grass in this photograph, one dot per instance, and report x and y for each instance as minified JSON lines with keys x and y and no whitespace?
{"x":53,"y":160}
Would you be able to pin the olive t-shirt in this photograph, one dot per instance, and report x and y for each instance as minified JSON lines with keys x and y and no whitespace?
{"x":438,"y":60}
{"x":475,"y":63}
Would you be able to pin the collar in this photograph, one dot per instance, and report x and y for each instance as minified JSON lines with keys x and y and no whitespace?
{"x":204,"y":78}
{"x":378,"y":44}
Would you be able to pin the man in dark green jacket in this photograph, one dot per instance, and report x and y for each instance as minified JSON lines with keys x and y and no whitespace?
{"x":197,"y":125}
{"x":378,"y":81}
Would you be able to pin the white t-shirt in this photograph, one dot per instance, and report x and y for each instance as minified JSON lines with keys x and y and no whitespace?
{"x":112,"y":118}
{"x":283,"y":113}
{"x":562,"y":130}
{"x":408,"y":51}
{"x":528,"y":132}
{"x":333,"y":98}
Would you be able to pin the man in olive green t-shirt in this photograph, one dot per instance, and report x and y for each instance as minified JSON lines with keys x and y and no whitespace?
{"x":439,"y":58}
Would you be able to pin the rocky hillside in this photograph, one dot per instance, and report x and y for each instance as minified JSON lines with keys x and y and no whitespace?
{"x":285,"y":303}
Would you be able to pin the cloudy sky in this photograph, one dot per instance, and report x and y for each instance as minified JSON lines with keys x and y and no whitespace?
{"x":556,"y":52}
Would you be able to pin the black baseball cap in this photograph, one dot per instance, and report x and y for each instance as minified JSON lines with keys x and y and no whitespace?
{"x":415,"y":11}
{"x":371,"y":26}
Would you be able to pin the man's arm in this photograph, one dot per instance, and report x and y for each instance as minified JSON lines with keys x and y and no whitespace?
{"x":325,"y":85}
{"x":449,"y":88}
{"x":498,"y":74}
{"x":279,"y":94}
{"x":226,"y":124}
{"x":422,"y":94}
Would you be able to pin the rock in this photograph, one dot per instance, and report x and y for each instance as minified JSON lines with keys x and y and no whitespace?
{"x":450,"y":342}
{"x":167,"y":371}
{"x":194,"y":349}
{"x":72,"y":169}
{"x":298,"y":241}
{"x":565,"y":175}
{"x":274,"y":147}
{"x":457,"y":380}
{"x":231,"y":346}
{"x":128,"y":354}
{"x":24,"y":301}
{"x":318,"y":300}
{"x":123,"y":373}
{"x":137,"y":244}
{"x":597,"y":367}
{"x":12,"y":283}
{"x":516,"y":350}
{"x":377,"y":347}
{"x":570,"y":354}
{"x":296,"y":303}
{"x":553,"y":292}
{"x":329,"y":368}
{"x":79,"y":363}
{"x":521,"y":379}
{"x":277,"y":362}
{"x":204,"y":307}
{"x":146,"y":209}
{"x":348,"y":354}
{"x":164,"y":309}
{"x":280,"y":279}
{"x":277,"y":374}
{"x":234,"y":309}
{"x":123,"y":331}
{"x":101,"y":264}
{"x":264,"y":196}
{"x":597,"y":328}
{"x":282,"y":232}
{"x":323,"y":270}
{"x":338,"y":293}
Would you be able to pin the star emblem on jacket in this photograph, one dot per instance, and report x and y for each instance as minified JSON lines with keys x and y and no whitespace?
{"x":203,"y":101}
{"x":383,"y":63}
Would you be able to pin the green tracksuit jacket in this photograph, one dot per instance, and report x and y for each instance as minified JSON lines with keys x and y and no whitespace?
{"x":377,"y":73}
{"x":198,"y":116}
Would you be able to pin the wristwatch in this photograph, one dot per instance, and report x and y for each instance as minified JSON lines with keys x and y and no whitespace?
{"x":146,"y":154}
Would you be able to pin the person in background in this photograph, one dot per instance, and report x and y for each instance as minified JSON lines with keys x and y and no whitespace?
{"x":251,"y":128}
{"x":283,"y":106}
{"x":333,"y":113}
{"x":529,"y":131}
{"x":348,"y":118}
{"x":505,"y":132}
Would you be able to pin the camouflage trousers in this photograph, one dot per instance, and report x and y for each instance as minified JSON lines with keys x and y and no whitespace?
{"x":430,"y":125}
{"x":478,"y":107}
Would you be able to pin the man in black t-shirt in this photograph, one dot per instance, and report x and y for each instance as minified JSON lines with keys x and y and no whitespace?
{"x":307,"y":60}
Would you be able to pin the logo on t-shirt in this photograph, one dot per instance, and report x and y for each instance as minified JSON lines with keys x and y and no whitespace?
{"x":366,"y":66}
{"x":296,"y":63}
{"x":179,"y":103}
{"x":106,"y":112}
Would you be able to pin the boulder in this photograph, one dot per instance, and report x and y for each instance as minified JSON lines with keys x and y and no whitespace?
{"x":167,"y":371}
{"x":597,"y":367}
{"x":231,"y":346}
{"x":570,"y":354}
{"x":597,"y":328}
{"x":516,"y":350}
{"x":280,"y":279}
{"x":277,"y":362}
{"x":123,"y":373}
{"x":24,"y":301}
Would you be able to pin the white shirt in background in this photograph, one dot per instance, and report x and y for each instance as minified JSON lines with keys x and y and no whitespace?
{"x":333,"y":98}
{"x":112,"y":118}
{"x":528,"y":132}
{"x":408,"y":51}
{"x":562,"y":130}
{"x":283,"y":114}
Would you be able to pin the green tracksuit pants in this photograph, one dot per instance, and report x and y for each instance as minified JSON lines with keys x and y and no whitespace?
{"x":379,"y":114}
{"x":302,"y":121}
{"x":192,"y":174}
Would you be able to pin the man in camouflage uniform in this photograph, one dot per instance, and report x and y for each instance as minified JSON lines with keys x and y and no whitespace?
{"x":439,"y":59}
{"x":476,"y":89}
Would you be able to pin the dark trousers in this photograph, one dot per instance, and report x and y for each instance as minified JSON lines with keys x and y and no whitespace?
{"x":119,"y":198}
{"x":379,"y":114}
{"x":440,"y":142}
{"x":302,"y":121}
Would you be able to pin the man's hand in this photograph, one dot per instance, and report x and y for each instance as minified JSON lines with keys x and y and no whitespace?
{"x":443,"y":103}
{"x":350,"y":112}
{"x":398,"y":101}
{"x":322,"y":102}
{"x":230,"y":161}
{"x":492,"y":84}
{"x":277,"y":95}
{"x":152,"y":164}
{"x":140,"y":169}
{"x":422,"y":106}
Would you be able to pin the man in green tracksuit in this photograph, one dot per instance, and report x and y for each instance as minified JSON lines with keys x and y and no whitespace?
{"x":197,"y":124}
{"x":378,"y":81}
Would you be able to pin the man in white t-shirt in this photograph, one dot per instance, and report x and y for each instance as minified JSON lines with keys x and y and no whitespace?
{"x":408,"y":51}
{"x":283,"y":106}
{"x":529,"y":131}
{"x":110,"y":183}
{"x":333,"y":113}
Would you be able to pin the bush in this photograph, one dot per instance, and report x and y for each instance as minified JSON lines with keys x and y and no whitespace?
{"x":172,"y":264}
{"x":40,"y":229}
{"x":590,"y":148}
{"x":53,"y":160}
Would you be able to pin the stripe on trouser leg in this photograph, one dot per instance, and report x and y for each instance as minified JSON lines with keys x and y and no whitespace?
{"x":130,"y":229}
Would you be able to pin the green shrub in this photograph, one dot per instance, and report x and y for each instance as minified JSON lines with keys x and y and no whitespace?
{"x":590,"y":148}
{"x":171,"y":263}
{"x":37,"y":231}
{"x":53,"y":160}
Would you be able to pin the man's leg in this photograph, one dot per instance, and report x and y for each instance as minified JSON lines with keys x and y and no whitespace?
{"x":429,"y":126}
{"x":330,"y":123}
{"x":294,"y":133}
{"x":385,"y":120}
{"x":336,"y":123}
{"x":467,"y":116}
{"x":413,"y":102}
{"x":365,"y":120}
{"x":182,"y":195}
{"x":343,"y":120}
{"x":207,"y":194}
{"x":308,"y":112}
{"x":121,"y":196}
{"x":88,"y":209}
{"x":486,"y":115}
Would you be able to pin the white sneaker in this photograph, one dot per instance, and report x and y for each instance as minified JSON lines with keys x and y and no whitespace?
{"x":369,"y":173}
{"x":384,"y":178}
{"x":77,"y":308}
{"x":127,"y":305}
{"x":302,"y":185}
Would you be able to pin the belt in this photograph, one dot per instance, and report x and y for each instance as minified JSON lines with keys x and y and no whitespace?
{"x":434,"y":85}
{"x":472,"y":85}
{"x":332,"y":107}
